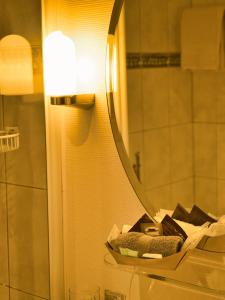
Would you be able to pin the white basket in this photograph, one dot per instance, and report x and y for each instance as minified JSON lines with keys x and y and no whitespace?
{"x":9,"y":139}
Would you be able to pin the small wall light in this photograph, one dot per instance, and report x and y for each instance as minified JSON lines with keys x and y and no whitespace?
{"x":16,"y":69}
{"x":60,"y":72}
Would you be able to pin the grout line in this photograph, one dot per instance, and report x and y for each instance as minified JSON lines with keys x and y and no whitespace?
{"x":161,"y":127}
{"x":208,"y":177}
{"x":142,"y":169}
{"x":178,"y":124}
{"x":169,"y":106}
{"x":170,"y":183}
{"x":27,"y":293}
{"x":217,"y":149}
{"x":170,"y":139}
{"x":6,"y":201}
{"x":209,"y":123}
{"x":170,"y":58}
{"x":21,"y":185}
{"x":193,"y":137}
{"x":21,"y":291}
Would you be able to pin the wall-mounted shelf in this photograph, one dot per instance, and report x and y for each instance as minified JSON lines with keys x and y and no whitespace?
{"x":201,"y":271}
{"x":84,"y":101}
{"x":9,"y":139}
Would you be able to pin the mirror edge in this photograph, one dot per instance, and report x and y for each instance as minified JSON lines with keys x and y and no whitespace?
{"x":118,"y":140}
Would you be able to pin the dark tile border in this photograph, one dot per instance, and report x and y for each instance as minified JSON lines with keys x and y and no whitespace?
{"x":152,"y":60}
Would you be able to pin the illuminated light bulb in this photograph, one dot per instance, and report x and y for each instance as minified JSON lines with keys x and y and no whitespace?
{"x":59,"y":65}
{"x":86,"y":75}
{"x":16,"y":69}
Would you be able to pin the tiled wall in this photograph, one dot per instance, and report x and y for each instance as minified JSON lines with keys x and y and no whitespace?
{"x":179,"y":126}
{"x":209,"y":139}
{"x":24,"y":257}
{"x":160,"y":102}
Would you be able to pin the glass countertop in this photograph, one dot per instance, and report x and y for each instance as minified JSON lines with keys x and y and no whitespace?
{"x":202,"y":271}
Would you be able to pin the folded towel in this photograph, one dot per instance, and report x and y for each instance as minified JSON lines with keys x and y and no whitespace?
{"x":165,"y":245}
{"x":181,"y":214}
{"x":202,"y":38}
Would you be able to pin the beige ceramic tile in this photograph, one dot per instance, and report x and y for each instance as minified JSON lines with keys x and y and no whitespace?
{"x":18,"y":295}
{"x":156,"y":98}
{"x":181,"y":152}
{"x":221,"y":197}
{"x":220,"y":1}
{"x":28,"y":240}
{"x":206,"y":194}
{"x":3,"y":237}
{"x":183,"y":192}
{"x":2,"y":167}
{"x":4,"y":293}
{"x":27,"y":165}
{"x":180,"y":97}
{"x":221,"y":152}
{"x":134,"y":99}
{"x":136,"y":149}
{"x":175,"y":10}
{"x":132,"y":25}
{"x":159,"y":198}
{"x":205,"y":96}
{"x":1,"y":111}
{"x":154,"y":26}
{"x":30,"y":28}
{"x":205,"y":145}
{"x":209,"y":96}
{"x":156,"y":158}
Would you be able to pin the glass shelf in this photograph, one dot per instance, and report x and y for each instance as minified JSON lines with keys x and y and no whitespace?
{"x":200,"y":271}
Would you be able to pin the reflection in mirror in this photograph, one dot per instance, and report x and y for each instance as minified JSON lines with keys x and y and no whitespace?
{"x":16,"y":67}
{"x":172,"y":120}
{"x":24,"y":255}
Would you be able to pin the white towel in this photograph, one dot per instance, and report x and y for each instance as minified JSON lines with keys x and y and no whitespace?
{"x":202,"y":38}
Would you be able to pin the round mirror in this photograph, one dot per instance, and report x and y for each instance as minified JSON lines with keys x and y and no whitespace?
{"x":168,"y":123}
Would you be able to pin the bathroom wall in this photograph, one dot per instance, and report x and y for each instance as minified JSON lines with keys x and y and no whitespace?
{"x":24,"y":257}
{"x":96,"y":191}
{"x":179,"y":115}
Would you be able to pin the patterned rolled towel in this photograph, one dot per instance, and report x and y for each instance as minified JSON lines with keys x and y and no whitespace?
{"x":165,"y":245}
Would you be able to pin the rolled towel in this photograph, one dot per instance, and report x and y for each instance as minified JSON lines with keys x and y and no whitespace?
{"x":165,"y":245}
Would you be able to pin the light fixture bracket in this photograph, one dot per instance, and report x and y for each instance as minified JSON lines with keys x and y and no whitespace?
{"x":84,"y":101}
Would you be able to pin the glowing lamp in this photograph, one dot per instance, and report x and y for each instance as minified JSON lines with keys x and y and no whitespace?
{"x":60,"y":72}
{"x":16,"y":69}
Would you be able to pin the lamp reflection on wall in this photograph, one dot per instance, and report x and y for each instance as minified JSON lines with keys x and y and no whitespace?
{"x":111,"y":65}
{"x":16,"y":69}
{"x":60,"y":72}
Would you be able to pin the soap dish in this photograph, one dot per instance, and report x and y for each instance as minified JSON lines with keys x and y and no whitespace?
{"x":9,"y":139}
{"x":167,"y":263}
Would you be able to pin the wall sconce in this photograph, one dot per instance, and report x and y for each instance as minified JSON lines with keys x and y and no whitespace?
{"x":16,"y":68}
{"x":60,"y":72}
